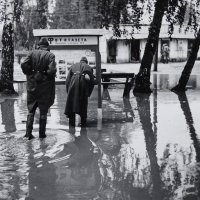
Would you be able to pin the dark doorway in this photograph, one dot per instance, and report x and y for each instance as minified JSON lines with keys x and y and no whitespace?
{"x":190,"y":44}
{"x":164,"y":42}
{"x":135,"y":51}
{"x":165,"y":51}
{"x":112,"y":51}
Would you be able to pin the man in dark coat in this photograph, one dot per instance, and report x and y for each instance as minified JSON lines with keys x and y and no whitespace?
{"x":40,"y":68}
{"x":79,"y":86}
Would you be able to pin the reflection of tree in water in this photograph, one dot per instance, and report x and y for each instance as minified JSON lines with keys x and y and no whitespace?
{"x":164,"y":81}
{"x":125,"y":174}
{"x":117,"y":181}
{"x":60,"y":99}
{"x":8,"y":117}
{"x":170,"y":167}
{"x":178,"y":163}
{"x":195,"y":178}
{"x":190,"y":122}
{"x":143,"y":105}
{"x":110,"y":145}
{"x":128,"y":107}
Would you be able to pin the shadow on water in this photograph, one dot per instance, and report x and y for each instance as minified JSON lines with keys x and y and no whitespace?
{"x":134,"y":156}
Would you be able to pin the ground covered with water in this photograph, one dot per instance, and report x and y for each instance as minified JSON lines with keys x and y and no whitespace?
{"x":148,"y":147}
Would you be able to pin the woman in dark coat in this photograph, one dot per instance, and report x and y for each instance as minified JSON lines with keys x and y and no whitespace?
{"x":40,"y":68}
{"x":79,"y":86}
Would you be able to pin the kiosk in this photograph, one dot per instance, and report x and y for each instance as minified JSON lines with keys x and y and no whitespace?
{"x":69,"y":45}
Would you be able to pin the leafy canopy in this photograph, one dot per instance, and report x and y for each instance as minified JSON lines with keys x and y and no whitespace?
{"x":122,"y":12}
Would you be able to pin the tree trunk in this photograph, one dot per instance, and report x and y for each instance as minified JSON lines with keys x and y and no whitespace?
{"x":142,"y":82}
{"x":6,"y":82}
{"x":181,"y":86}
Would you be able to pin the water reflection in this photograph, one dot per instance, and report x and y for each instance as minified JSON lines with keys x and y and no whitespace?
{"x":148,"y":148}
{"x":167,"y":81}
{"x":190,"y":122}
{"x":128,"y":108}
{"x":119,"y":112}
{"x":143,"y":104}
{"x":105,"y":94}
{"x":42,"y":175}
{"x":195,"y":178}
{"x":78,"y":175}
{"x":109,"y":164}
{"x":8,"y":117}
{"x":14,"y":168}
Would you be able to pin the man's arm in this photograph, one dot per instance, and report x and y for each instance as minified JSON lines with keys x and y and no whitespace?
{"x":91,"y":83}
{"x":26,"y":65}
{"x":52,"y":66}
{"x":68,"y":79}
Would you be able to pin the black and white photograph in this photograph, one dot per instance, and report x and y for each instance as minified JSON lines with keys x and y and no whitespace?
{"x":99,"y":100}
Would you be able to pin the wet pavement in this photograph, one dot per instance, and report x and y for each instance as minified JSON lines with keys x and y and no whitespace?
{"x":147,"y":149}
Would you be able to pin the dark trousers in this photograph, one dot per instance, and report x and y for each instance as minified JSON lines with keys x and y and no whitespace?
{"x":72,"y":120}
{"x":30,"y":120}
{"x":33,"y":109}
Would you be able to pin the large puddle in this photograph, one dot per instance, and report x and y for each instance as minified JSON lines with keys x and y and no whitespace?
{"x":147,"y":148}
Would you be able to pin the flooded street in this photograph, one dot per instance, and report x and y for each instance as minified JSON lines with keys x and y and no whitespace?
{"x":147,"y":149}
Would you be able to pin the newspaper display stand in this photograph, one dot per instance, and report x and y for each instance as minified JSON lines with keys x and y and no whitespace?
{"x":69,"y":45}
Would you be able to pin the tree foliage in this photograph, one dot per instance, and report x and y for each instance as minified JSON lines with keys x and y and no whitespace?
{"x":34,"y":16}
{"x":112,"y":13}
{"x":74,"y":14}
{"x":115,"y":13}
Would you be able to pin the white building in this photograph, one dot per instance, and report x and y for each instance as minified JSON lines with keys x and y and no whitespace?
{"x":130,"y":47}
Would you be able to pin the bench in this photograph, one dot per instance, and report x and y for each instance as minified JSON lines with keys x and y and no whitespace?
{"x":110,"y":79}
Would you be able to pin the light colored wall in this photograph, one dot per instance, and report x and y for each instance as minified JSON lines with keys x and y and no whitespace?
{"x":178,"y":49}
{"x":103,"y":49}
{"x":173,"y":45}
{"x":142,"y":47}
{"x":123,"y":52}
{"x":182,"y":48}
